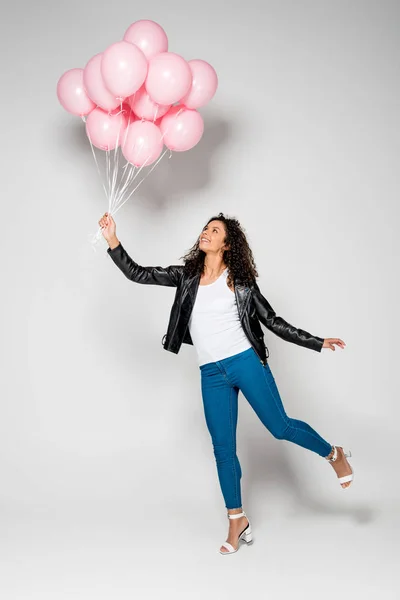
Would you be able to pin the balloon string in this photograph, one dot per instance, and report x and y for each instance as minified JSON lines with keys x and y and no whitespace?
{"x":107,"y":159}
{"x":116,"y":205}
{"x":129,"y":178}
{"x":124,"y":168}
{"x":95,"y":159}
{"x":140,"y":168}
{"x":115,"y":163}
{"x":126,"y":131}
{"x":141,"y":181}
{"x":113,"y":178}
{"x":118,"y":191}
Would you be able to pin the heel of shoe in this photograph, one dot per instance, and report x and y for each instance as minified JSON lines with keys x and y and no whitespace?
{"x":248,"y":537}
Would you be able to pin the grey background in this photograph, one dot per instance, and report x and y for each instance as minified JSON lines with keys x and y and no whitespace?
{"x":108,"y":486}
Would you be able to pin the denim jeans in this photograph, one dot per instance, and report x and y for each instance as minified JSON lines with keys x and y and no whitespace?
{"x":220,"y":385}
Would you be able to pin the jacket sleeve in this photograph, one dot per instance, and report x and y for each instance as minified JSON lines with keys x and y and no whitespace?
{"x":282,"y":328}
{"x":168,"y":276}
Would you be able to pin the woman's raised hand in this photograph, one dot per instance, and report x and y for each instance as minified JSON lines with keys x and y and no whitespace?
{"x":108,"y":229}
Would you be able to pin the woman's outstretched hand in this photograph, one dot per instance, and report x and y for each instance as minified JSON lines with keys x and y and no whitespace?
{"x":330,"y":343}
{"x":108,"y":229}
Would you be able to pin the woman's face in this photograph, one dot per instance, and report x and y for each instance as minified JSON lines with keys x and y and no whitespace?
{"x":212,"y":238}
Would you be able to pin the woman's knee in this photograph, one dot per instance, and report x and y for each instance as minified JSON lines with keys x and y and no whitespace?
{"x":224,"y":453}
{"x":284,"y":431}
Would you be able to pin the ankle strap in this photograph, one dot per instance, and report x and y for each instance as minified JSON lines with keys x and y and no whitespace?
{"x":334,"y":456}
{"x":237,"y":515}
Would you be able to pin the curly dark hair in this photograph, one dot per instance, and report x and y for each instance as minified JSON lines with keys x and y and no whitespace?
{"x":239,"y":258}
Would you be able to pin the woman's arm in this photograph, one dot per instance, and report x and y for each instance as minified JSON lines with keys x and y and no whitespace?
{"x":282,"y":328}
{"x":168,"y":276}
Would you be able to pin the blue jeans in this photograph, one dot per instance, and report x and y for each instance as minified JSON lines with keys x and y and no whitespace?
{"x":220,"y":385}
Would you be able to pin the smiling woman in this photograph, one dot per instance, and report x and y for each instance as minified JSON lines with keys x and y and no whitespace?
{"x":218,"y":308}
{"x":222,"y":243}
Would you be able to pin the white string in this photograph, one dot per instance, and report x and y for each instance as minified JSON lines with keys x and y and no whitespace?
{"x":115,"y":163}
{"x":118,"y":191}
{"x":141,"y":181}
{"x":95,"y":159}
{"x":129,"y":179}
{"x":140,"y":168}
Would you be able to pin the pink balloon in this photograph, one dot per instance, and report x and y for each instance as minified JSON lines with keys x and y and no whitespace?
{"x":143,"y":143}
{"x":169,"y":78}
{"x":144,"y":107}
{"x":182,"y":128}
{"x":124,"y":69}
{"x":106,"y":130}
{"x":204,"y":84}
{"x":95,"y":86}
{"x":72,"y":95}
{"x":148,"y":36}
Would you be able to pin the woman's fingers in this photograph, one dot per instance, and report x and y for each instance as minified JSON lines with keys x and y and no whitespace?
{"x":330,"y":343}
{"x":105,"y":220}
{"x":338,"y":342}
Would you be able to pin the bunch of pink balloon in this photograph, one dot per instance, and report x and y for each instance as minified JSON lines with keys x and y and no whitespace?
{"x":138,"y":96}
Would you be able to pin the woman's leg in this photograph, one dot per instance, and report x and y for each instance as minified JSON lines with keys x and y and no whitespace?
{"x":258,"y":386}
{"x":220,"y":401}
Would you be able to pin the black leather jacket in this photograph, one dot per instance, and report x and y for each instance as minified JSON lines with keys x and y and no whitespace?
{"x":251,"y":304}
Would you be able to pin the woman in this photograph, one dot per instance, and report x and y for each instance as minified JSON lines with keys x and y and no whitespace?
{"x":218,"y":308}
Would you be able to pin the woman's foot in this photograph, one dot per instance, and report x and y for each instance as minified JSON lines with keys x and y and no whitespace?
{"x":340,"y":465}
{"x":236,"y":527}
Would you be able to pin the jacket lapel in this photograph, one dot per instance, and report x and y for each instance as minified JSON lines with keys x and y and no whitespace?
{"x":192,"y":287}
{"x":242,"y":297}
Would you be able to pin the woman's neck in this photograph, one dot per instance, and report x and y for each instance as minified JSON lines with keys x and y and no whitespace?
{"x":213,"y":266}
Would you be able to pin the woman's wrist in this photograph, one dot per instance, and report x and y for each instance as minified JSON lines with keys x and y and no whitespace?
{"x":113,"y":243}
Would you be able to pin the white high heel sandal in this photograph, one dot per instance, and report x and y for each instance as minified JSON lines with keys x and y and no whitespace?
{"x":345,"y":478}
{"x":245,"y":535}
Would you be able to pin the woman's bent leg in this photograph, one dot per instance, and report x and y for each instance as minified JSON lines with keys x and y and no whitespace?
{"x":220,"y":401}
{"x":258,"y":386}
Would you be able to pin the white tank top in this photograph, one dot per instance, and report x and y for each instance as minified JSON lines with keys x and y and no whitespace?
{"x":214,"y":324}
